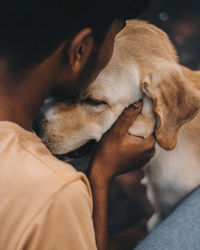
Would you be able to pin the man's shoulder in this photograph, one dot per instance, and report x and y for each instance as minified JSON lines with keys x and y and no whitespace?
{"x":29,"y":171}
{"x":33,"y":183}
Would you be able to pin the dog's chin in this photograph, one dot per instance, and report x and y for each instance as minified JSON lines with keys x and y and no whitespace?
{"x":80,"y":153}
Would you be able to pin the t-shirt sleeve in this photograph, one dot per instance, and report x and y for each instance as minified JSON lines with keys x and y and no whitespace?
{"x":64,"y":223}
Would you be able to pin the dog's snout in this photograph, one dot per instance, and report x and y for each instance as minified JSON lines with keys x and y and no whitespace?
{"x":37,"y":124}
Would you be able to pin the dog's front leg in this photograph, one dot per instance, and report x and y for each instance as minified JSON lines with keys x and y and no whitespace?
{"x":155,"y":219}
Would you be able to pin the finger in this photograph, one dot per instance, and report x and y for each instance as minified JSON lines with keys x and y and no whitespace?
{"x":150,"y":153}
{"x":144,"y":162}
{"x":145,"y":144}
{"x":150,"y":142}
{"x":128,"y":116}
{"x":141,"y":163}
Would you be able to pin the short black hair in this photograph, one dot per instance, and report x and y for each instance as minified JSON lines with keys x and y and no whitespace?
{"x":30,"y":30}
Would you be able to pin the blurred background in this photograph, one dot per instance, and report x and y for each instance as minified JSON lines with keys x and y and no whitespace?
{"x":180,"y":19}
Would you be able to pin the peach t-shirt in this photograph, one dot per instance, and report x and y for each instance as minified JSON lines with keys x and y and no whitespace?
{"x":45,"y":203}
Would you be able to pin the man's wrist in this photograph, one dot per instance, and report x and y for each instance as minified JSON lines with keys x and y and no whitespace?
{"x":98,"y":178}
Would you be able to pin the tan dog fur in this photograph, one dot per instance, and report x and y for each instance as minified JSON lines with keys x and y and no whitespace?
{"x":144,"y":64}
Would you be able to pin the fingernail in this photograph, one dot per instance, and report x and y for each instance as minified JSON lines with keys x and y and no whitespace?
{"x":137,"y":104}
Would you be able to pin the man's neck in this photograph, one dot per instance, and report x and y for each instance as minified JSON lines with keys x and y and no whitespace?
{"x":20,"y":101}
{"x":20,"y":112}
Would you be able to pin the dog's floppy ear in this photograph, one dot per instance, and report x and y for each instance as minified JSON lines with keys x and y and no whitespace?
{"x":175,"y":103}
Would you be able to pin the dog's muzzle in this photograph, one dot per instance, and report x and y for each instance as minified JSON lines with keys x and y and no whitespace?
{"x":83,"y":151}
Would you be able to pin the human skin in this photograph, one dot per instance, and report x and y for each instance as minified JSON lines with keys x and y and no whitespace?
{"x":22,"y":95}
{"x":109,"y":161}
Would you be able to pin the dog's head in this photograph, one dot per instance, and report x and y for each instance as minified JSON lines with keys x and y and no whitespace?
{"x":66,"y":126}
{"x":169,"y":102}
{"x":144,"y":65}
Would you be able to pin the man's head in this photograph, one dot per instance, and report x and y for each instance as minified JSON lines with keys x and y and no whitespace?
{"x":71,"y":39}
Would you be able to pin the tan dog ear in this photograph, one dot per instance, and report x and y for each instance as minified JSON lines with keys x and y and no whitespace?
{"x":175,"y":103}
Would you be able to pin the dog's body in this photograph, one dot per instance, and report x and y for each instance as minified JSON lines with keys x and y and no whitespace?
{"x":171,"y":175}
{"x":144,"y":64}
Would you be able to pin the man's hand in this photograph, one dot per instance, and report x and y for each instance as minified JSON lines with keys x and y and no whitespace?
{"x":118,"y":151}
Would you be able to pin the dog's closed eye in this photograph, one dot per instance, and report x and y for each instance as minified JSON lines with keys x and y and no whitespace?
{"x":93,"y":102}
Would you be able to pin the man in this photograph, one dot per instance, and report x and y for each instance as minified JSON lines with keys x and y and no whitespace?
{"x":57,"y":48}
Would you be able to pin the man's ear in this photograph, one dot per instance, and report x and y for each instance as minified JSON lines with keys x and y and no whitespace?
{"x":174,"y":101}
{"x":80,"y":49}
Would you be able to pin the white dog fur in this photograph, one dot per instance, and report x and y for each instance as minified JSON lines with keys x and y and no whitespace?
{"x":144,"y":65}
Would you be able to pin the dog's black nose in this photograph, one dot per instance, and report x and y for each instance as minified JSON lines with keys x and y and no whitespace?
{"x":36,"y":126}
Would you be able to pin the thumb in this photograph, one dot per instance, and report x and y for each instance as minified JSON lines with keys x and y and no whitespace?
{"x":129,"y":115}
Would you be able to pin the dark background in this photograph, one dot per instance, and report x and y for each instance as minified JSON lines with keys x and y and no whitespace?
{"x":180,"y":19}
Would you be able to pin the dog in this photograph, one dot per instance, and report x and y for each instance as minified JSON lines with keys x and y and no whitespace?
{"x":144,"y":66}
